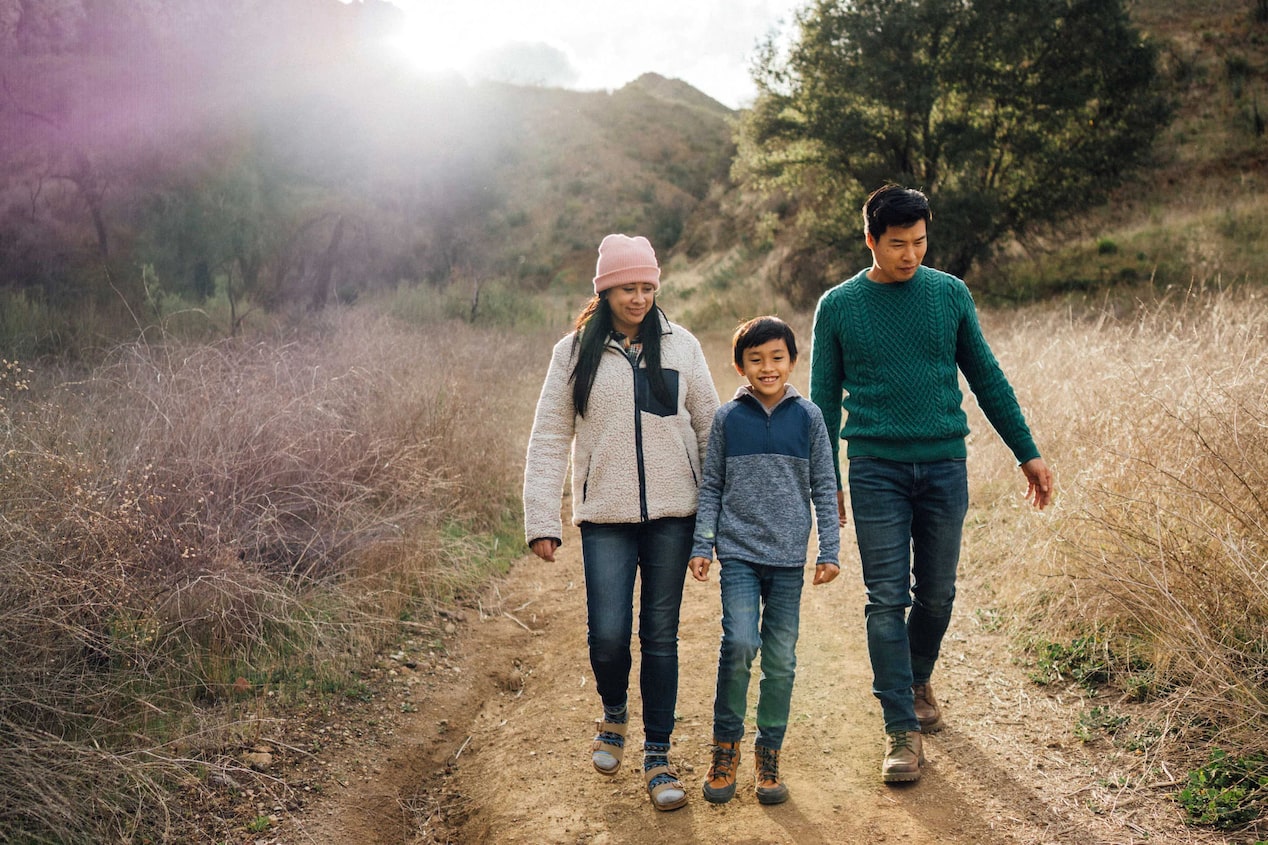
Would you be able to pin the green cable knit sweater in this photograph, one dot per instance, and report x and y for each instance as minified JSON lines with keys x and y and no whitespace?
{"x":894,"y":349}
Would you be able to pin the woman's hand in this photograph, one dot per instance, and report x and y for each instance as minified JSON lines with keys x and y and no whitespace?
{"x":699,"y":567}
{"x":825,"y":572}
{"x":544,"y":548}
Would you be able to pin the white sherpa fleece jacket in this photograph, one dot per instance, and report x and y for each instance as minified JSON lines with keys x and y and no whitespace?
{"x":629,"y":463}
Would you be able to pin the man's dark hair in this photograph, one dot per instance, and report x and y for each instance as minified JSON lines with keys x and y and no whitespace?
{"x":894,"y":205}
{"x":761,"y":330}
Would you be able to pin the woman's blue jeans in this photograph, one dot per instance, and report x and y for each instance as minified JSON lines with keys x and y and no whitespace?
{"x":761,"y":609}
{"x":613,"y":553}
{"x":908,"y":519}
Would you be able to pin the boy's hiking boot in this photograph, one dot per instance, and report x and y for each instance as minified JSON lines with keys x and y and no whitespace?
{"x":904,"y":756}
{"x":927,"y":709}
{"x":719,"y":784}
{"x":770,"y":789}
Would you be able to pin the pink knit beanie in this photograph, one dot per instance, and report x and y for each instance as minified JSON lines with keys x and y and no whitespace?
{"x":624,"y":260}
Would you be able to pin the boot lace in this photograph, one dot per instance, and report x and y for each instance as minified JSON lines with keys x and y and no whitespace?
{"x":901,"y":740}
{"x":767,"y":764}
{"x":723,"y":762}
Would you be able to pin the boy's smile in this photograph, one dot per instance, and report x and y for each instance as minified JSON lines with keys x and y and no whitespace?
{"x":767,"y":368}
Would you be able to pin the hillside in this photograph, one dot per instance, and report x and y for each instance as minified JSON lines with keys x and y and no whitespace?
{"x":283,"y":165}
{"x":288,"y":161}
{"x":1199,"y":213}
{"x":641,"y":159}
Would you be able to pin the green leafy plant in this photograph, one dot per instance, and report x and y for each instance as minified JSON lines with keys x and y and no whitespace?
{"x":1085,"y":661}
{"x":1227,"y":792}
{"x":1098,"y":720}
{"x":259,"y":824}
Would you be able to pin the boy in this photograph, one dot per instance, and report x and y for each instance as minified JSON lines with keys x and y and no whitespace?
{"x":769,"y":459}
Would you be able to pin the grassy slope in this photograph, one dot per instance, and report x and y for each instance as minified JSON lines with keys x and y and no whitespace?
{"x":638,"y":160}
{"x":1199,"y":214}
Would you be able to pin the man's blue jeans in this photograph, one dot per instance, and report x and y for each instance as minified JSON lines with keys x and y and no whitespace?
{"x":761,"y":609}
{"x":613,"y":553}
{"x":908,"y":518}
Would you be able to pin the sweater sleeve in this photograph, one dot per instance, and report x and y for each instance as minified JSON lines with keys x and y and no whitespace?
{"x":712,"y":482}
{"x":826,"y":374}
{"x":990,"y":386}
{"x":546,"y":465}
{"x":823,"y":490}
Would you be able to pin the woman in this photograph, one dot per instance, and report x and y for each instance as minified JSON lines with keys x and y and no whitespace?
{"x":629,"y":393}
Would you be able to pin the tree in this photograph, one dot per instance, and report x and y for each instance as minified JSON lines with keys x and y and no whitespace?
{"x":1008,"y":113}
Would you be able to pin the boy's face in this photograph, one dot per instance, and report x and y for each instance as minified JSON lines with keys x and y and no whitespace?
{"x":767,"y":368}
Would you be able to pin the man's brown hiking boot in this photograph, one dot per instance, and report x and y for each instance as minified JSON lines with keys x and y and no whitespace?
{"x":770,"y":789}
{"x":928,"y":711}
{"x":903,"y":757}
{"x":719,"y":783}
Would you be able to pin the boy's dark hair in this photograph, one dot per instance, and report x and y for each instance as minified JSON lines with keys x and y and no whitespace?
{"x":894,"y":205}
{"x":761,"y":330}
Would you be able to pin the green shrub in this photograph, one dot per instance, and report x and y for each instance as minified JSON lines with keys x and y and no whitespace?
{"x":1227,"y":792}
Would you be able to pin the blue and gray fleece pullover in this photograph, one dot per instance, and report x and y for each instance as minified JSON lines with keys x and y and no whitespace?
{"x":763,"y":469}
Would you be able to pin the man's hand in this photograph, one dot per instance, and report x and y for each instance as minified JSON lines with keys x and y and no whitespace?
{"x":544,"y":547}
{"x":699,"y":567}
{"x":1038,"y":482}
{"x":841,"y":508}
{"x":825,"y":572}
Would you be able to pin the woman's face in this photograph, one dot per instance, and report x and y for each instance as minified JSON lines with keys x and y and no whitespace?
{"x":630,"y":304}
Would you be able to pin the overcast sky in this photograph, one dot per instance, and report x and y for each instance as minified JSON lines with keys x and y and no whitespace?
{"x":596,"y":44}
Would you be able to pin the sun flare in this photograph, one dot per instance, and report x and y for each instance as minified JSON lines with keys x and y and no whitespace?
{"x":436,"y":40}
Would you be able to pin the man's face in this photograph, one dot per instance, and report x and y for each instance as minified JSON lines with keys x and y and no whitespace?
{"x":898,"y":252}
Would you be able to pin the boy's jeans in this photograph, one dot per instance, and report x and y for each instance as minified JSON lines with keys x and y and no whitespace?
{"x":612,"y":554}
{"x":773,"y":593}
{"x":908,"y":518}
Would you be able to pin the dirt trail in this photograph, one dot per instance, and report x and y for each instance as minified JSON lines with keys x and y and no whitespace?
{"x":501,"y":756}
{"x":496,"y":746}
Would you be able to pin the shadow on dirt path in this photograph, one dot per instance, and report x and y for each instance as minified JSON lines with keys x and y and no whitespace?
{"x":498,"y":748}
{"x":494,"y":746}
{"x":501,"y":755}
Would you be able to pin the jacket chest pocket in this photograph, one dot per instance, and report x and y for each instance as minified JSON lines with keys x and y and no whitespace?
{"x":645,"y":400}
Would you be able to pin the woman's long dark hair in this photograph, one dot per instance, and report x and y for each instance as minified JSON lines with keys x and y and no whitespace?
{"x":594,"y":327}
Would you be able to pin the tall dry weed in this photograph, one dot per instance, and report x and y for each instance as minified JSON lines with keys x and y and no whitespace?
{"x":1156,"y":420}
{"x":185,"y":518}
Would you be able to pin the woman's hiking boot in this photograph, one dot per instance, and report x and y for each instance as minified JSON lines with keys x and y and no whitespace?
{"x":719,"y":784}
{"x":770,"y":789}
{"x":928,"y":711}
{"x":904,"y":755}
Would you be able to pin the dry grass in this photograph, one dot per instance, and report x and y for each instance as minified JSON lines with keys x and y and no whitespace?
{"x":187,"y":526}
{"x":1155,"y":418}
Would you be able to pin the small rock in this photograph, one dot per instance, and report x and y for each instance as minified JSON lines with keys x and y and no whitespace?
{"x":257,"y":760}
{"x":220,"y":779}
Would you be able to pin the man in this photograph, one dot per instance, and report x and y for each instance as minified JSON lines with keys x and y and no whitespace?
{"x":892,"y":339}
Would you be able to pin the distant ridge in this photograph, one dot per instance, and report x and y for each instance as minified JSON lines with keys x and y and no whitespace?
{"x":676,"y":91}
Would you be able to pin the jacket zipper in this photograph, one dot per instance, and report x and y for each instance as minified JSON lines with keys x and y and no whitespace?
{"x":638,"y":438}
